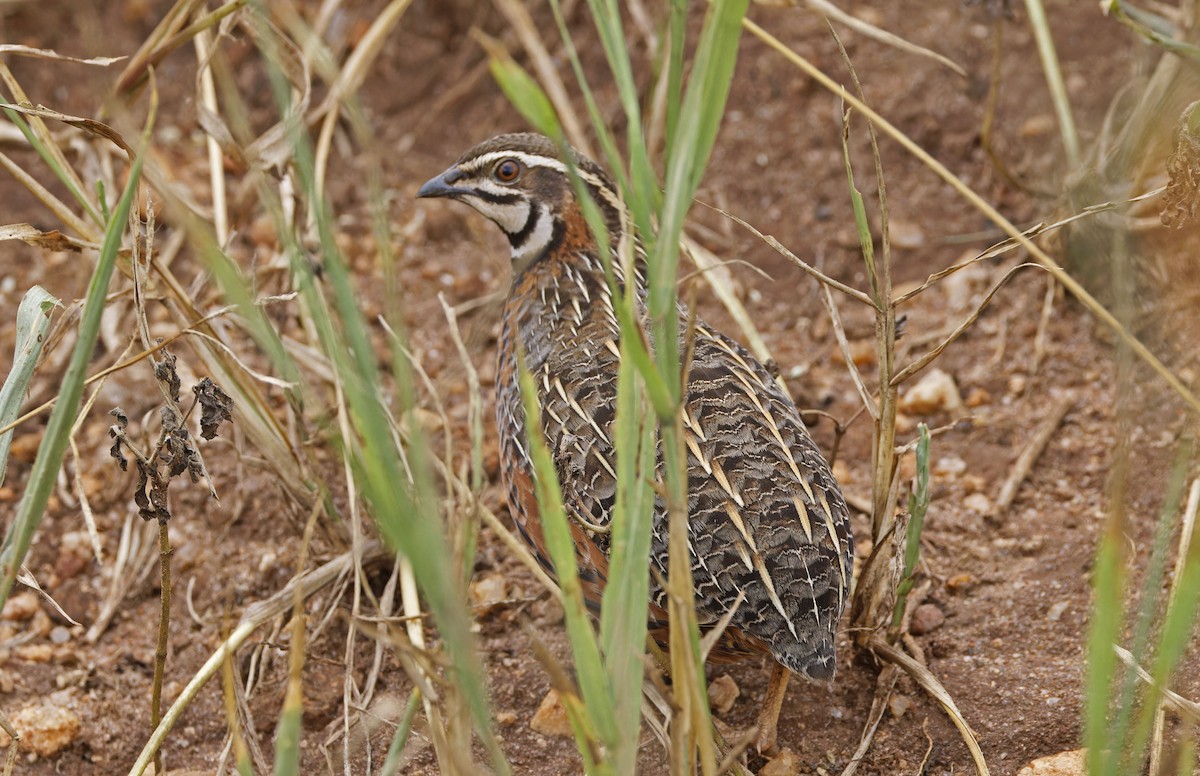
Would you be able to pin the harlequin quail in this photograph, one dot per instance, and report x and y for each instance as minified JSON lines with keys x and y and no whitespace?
{"x":766,"y":519}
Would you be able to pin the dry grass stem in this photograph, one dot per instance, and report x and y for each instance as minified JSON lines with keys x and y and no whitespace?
{"x":1029,"y":455}
{"x":10,"y":759}
{"x":928,"y":682}
{"x":884,"y":684}
{"x":1187,"y":709}
{"x":711,"y":268}
{"x":782,"y":251}
{"x":1039,"y":340}
{"x":255,"y":616}
{"x":1077,"y":290}
{"x":1186,"y":534}
{"x":839,"y":333}
{"x":53,"y":203}
{"x":547,"y":70}
{"x":207,"y":92}
{"x":131,"y":568}
{"x":928,"y":358}
{"x":103,"y":373}
{"x":883,"y":36}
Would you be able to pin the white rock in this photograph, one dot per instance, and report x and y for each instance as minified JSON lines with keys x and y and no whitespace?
{"x":977,"y":502}
{"x":551,"y":717}
{"x":1062,"y":764}
{"x":935,"y":392}
{"x":44,"y":730}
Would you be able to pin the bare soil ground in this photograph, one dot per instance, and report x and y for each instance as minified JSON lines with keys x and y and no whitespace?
{"x":1014,"y":590}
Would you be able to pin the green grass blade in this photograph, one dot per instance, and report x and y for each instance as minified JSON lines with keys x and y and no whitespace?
{"x":861,"y":225}
{"x":616,"y":164}
{"x":63,"y":176}
{"x":33,"y":323}
{"x":918,"y":506}
{"x":1142,"y":646}
{"x":607,"y":16}
{"x":62,"y":419}
{"x":1054,"y":79}
{"x":1108,"y":586}
{"x":699,"y":119}
{"x":525,"y":94}
{"x":393,"y":761}
{"x":677,"y":30}
{"x":531,"y":101}
{"x":597,"y":695}
{"x":623,"y":612}
{"x":1178,"y":623}
{"x":1143,"y":23}
{"x":287,"y":735}
{"x":405,"y":511}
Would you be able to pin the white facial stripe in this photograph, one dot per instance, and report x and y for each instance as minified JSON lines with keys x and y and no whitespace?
{"x":537,"y":240}
{"x":509,"y":216}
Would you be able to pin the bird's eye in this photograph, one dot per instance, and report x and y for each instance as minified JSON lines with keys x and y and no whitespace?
{"x":507,"y":171}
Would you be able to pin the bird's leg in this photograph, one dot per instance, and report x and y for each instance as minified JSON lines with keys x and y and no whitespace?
{"x":768,"y":718}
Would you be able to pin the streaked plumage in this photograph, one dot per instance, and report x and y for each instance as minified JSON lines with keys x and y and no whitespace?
{"x":766,"y":518}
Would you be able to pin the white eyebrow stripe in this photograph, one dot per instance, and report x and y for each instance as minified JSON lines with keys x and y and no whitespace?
{"x":534,"y":160}
{"x":529,"y":160}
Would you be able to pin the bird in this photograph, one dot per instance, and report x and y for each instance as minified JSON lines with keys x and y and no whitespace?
{"x":768,"y":529}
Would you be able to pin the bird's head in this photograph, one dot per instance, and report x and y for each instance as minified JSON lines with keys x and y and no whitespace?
{"x":522,"y":183}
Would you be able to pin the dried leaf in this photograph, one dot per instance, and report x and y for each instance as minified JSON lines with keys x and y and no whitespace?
{"x":164,"y":372}
{"x":151,"y":494}
{"x":216,"y":407}
{"x":52,"y":240}
{"x":37,"y":53}
{"x":117,"y":432}
{"x":139,"y":491}
{"x":1182,"y":198}
{"x":92,"y":126}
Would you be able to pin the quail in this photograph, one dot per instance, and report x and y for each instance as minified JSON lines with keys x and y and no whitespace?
{"x":767,"y":522}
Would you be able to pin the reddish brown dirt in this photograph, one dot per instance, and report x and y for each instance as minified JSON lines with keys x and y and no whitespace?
{"x":1014,"y":591}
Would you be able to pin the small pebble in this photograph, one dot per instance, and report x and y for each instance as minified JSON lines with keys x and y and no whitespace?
{"x":783,"y":764}
{"x":935,"y":392}
{"x":899,"y":704}
{"x":44,"y":730}
{"x":1037,"y":126}
{"x":950,"y":465}
{"x":977,"y":502}
{"x":35,"y":653}
{"x":1056,"y":611}
{"x":905,"y":234}
{"x":973,"y":483}
{"x":488,"y":590}
{"x":1062,"y":764}
{"x":978,"y":397}
{"x":722,"y":692}
{"x":21,"y":607}
{"x":959,"y":583}
{"x":862,"y":353}
{"x":926,"y":618}
{"x":551,"y":718}
{"x":267,"y":561}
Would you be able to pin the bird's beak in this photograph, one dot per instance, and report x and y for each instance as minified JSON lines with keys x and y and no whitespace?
{"x":443,"y":185}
